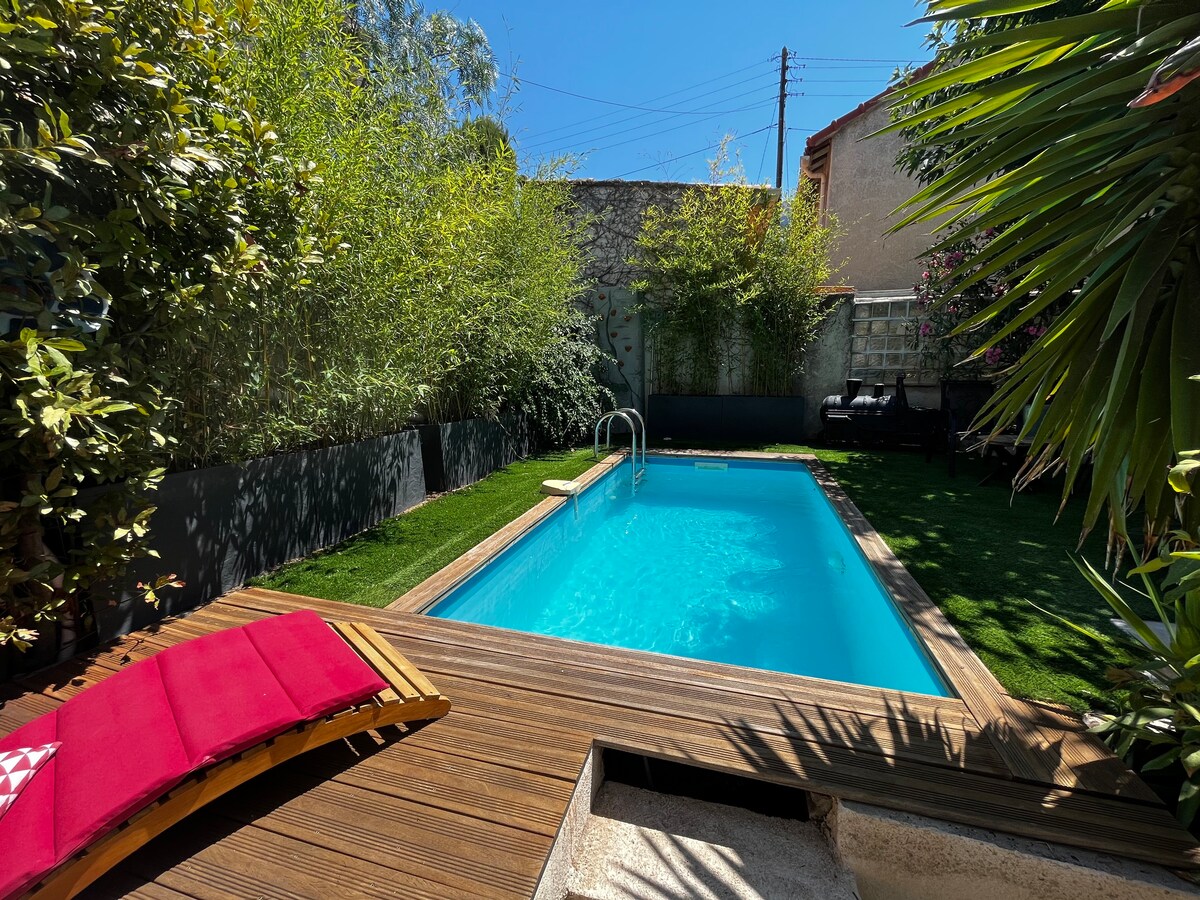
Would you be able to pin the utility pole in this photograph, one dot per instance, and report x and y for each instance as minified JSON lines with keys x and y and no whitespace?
{"x":782,"y":129}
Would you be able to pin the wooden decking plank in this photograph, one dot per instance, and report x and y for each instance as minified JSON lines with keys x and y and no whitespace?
{"x":732,"y":679}
{"x":130,"y":887}
{"x":21,"y":711}
{"x":680,"y":673}
{"x":953,"y":717}
{"x":249,"y":861}
{"x":489,"y":840}
{"x":523,"y":748}
{"x":482,"y":791}
{"x":537,"y":788}
{"x":869,"y":778}
{"x":866,"y":735}
{"x":398,"y":776}
{"x":471,"y":786}
{"x":348,"y":820}
{"x":932,"y":741}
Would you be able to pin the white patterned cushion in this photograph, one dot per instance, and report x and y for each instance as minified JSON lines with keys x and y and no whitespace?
{"x":17,"y":767}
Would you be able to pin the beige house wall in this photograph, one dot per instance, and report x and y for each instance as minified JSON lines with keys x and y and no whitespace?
{"x":862,"y":191}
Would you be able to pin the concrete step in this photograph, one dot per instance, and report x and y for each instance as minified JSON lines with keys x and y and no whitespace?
{"x":651,"y":846}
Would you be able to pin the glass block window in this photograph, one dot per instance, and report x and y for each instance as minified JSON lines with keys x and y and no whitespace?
{"x":880,"y":344}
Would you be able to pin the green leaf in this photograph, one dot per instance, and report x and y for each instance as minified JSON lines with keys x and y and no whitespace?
{"x":1162,"y":760}
{"x":982,"y":9}
{"x":1143,"y":631}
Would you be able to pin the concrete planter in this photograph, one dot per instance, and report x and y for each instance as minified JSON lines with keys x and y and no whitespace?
{"x":218,"y":527}
{"x":726,"y":418}
{"x":456,"y":454}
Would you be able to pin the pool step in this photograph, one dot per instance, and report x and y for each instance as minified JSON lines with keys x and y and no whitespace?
{"x":639,"y":843}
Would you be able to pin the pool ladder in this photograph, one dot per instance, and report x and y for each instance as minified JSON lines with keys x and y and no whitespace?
{"x":624,"y":413}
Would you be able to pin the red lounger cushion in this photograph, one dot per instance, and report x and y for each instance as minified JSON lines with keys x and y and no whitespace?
{"x":133,"y":736}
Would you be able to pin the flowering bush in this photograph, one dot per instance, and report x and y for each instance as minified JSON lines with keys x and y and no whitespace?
{"x":943,"y":328}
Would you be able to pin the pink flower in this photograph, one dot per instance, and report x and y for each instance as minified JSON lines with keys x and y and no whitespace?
{"x":926,"y":329}
{"x":925,"y":275}
{"x":993,"y":355}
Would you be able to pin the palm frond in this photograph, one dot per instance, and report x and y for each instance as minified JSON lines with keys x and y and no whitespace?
{"x":1096,"y":202}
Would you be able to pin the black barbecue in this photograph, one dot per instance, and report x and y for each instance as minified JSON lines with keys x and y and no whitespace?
{"x":878,"y":418}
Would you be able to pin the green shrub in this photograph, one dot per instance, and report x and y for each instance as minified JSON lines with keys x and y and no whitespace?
{"x":563,"y":395}
{"x":732,"y":285}
{"x":184,"y":283}
{"x":134,"y":184}
{"x":451,"y":271}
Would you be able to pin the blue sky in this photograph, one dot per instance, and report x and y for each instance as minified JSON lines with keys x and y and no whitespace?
{"x":656,"y":54}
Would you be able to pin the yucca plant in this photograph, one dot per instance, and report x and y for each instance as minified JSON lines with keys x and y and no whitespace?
{"x":1158,"y":722}
{"x":1095,"y":203}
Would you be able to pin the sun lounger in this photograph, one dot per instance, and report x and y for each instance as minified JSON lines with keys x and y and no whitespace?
{"x":159,"y":739}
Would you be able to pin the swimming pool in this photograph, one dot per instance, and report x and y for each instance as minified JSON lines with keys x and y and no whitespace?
{"x":723,"y":559}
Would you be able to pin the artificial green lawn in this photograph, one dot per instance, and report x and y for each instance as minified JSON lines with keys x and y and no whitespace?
{"x":379,"y":565}
{"x":979,"y":552}
{"x":983,"y":554}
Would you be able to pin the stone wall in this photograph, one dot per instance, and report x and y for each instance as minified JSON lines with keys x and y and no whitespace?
{"x":613,"y":211}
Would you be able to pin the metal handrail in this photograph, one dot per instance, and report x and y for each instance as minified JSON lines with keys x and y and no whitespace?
{"x":637,"y":415}
{"x":608,"y":417}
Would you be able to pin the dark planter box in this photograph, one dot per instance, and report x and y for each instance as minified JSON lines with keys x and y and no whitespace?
{"x":218,"y":527}
{"x":44,"y":651}
{"x":456,"y":454}
{"x":732,"y":418}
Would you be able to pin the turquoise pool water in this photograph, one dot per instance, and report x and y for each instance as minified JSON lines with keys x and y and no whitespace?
{"x":733,"y":561}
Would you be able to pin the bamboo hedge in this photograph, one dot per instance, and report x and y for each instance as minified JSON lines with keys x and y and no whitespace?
{"x":230,"y":230}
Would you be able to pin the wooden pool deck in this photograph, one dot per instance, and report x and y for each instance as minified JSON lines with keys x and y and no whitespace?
{"x":469,"y":805}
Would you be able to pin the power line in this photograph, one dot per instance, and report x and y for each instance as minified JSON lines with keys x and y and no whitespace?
{"x":650,"y":124}
{"x":846,"y":68}
{"x":694,"y":152}
{"x":763,"y":159}
{"x":858,"y":59}
{"x":586,"y":131}
{"x":594,"y":99}
{"x":652,"y":100}
{"x":642,"y":137}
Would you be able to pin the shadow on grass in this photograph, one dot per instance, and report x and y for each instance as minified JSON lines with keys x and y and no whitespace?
{"x":985,"y":554}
